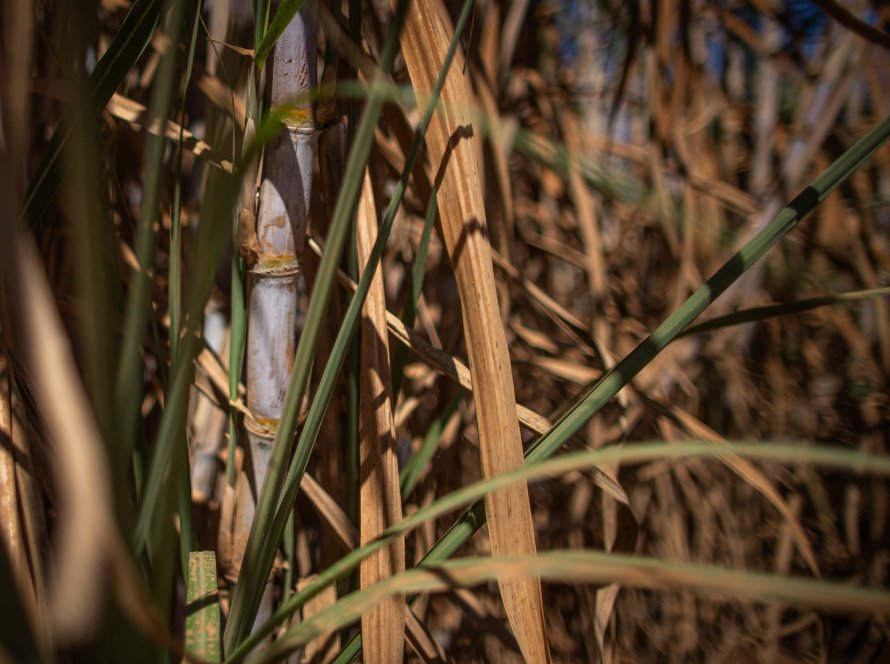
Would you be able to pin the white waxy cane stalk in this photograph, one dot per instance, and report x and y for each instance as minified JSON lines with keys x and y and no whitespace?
{"x":274,"y":270}
{"x":282,"y":219}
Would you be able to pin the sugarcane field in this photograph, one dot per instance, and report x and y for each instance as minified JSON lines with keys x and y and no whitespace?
{"x":445,"y":331}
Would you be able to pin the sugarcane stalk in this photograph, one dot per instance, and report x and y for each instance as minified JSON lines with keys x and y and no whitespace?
{"x":281,"y":221}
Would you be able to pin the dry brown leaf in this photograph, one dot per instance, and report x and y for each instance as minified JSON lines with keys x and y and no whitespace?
{"x":332,"y":513}
{"x":322,"y":648}
{"x":752,"y":475}
{"x":568,"y":369}
{"x":604,"y":607}
{"x":453,"y":155}
{"x":535,"y":338}
{"x":22,"y":525}
{"x":380,"y":505}
{"x":586,"y":211}
{"x":135,"y":113}
{"x":224,"y":98}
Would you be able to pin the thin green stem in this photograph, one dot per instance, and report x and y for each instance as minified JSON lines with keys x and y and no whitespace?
{"x":114,"y":66}
{"x":187,"y":538}
{"x":128,"y":384}
{"x":757,"y":314}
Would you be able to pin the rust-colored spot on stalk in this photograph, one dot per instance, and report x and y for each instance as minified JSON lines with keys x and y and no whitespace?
{"x":295,"y":116}
{"x":269,"y":244}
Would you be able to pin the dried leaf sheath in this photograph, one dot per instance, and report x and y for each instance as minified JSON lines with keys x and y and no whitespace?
{"x":462,"y":211}
{"x":383,"y":628}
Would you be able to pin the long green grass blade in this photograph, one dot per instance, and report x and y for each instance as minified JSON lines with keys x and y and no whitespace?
{"x":260,"y":21}
{"x":237,"y":341}
{"x":114,"y":66}
{"x":284,"y":14}
{"x":351,"y":388}
{"x":757,"y":314}
{"x":824,"y":456}
{"x":128,"y":382}
{"x":174,"y":287}
{"x":95,"y":259}
{"x":187,"y":539}
{"x":589,"y":567}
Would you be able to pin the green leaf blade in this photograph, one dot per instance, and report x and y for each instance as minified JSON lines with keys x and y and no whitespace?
{"x":202,"y":621}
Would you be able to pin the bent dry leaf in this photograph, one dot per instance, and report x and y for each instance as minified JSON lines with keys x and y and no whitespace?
{"x":593,"y":567}
{"x":462,"y":211}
